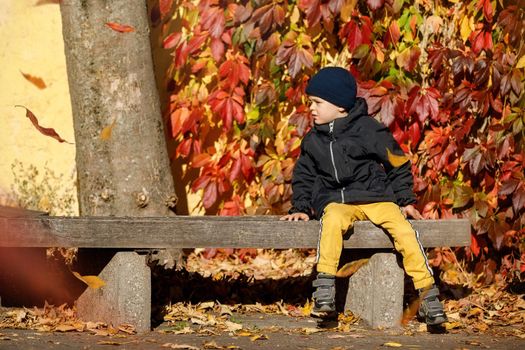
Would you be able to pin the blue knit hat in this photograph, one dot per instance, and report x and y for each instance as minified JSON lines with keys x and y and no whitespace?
{"x":335,"y":85}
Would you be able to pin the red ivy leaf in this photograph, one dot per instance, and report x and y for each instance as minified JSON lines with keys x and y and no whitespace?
{"x":229,"y":106}
{"x":393,"y":34}
{"x":424,"y":103}
{"x":172,"y":40}
{"x":297,"y":51}
{"x":212,"y":20}
{"x":235,"y":207}
{"x":122,"y":28}
{"x":409,"y":58}
{"x":44,"y":131}
{"x":488,"y":11}
{"x":165,"y":7}
{"x":358,"y":31}
{"x":235,"y":70}
{"x":317,"y":9}
{"x":480,"y":40}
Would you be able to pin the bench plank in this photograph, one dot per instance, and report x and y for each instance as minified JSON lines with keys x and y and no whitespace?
{"x":206,"y":231}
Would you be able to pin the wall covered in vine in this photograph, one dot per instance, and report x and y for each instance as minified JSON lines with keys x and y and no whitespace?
{"x":447,"y":77}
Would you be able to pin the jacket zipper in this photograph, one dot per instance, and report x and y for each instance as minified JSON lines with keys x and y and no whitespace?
{"x":332,"y":139}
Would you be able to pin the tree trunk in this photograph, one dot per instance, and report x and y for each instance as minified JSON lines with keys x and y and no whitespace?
{"x":122,"y":163}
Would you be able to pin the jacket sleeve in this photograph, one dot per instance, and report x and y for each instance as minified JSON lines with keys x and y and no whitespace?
{"x":302,"y":183}
{"x":396,"y":164}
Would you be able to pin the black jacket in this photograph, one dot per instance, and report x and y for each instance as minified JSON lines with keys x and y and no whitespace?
{"x":354,"y":159}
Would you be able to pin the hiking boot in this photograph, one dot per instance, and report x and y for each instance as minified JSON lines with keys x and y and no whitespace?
{"x":324,"y":296}
{"x":431,"y":309}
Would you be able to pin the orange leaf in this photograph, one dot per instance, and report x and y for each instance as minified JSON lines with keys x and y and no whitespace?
{"x":349,"y":269}
{"x":45,"y":131}
{"x":122,"y":28}
{"x":94,"y":282}
{"x":36,"y":81}
{"x":105,"y":134}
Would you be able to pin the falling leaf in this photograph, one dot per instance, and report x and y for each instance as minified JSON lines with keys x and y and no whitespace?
{"x":350,"y":268}
{"x":122,"y":28}
{"x":45,"y":131}
{"x":392,"y":344}
{"x":105,"y":134}
{"x":92,"y":281}
{"x":36,"y":81}
{"x":410,"y":311}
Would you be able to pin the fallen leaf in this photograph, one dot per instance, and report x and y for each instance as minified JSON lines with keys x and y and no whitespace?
{"x":259,"y":337}
{"x":65,"y":328}
{"x":179,"y":346}
{"x":94,"y":282}
{"x":310,"y":330}
{"x":350,"y":268}
{"x":232,"y":326}
{"x":212,"y":345}
{"x":452,"y":325}
{"x":392,"y":344}
{"x":122,"y":28}
{"x":108,"y":342}
{"x":45,"y":131}
{"x":36,"y":81}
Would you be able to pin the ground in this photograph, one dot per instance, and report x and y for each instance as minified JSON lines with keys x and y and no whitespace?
{"x":263,"y":301}
{"x":267,"y":331}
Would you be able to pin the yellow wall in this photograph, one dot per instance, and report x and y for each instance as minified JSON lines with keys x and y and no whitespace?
{"x":31,"y":42}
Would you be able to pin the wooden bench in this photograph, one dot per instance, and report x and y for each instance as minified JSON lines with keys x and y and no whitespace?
{"x":375,"y":292}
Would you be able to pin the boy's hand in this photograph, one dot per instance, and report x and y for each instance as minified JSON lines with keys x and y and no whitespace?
{"x":295,"y":217}
{"x":409,"y":211}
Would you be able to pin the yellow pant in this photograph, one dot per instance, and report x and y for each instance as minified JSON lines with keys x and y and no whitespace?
{"x":338,"y":218}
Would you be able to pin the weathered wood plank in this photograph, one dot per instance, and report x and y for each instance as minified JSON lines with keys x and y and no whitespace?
{"x":206,"y":231}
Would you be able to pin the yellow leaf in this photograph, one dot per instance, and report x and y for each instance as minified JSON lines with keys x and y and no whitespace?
{"x":392,"y":344}
{"x":258,"y":337}
{"x":452,"y":325}
{"x":310,"y":330}
{"x":307,"y":308}
{"x":350,"y":268}
{"x":395,"y":159}
{"x":465,"y":29}
{"x":521,"y":62}
{"x":92,"y":281}
{"x":347,"y":9}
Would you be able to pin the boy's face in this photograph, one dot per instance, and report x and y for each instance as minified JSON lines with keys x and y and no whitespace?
{"x":323,"y":111}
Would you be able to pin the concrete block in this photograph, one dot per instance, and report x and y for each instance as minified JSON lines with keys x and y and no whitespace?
{"x":126,"y":297}
{"x":375,"y":291}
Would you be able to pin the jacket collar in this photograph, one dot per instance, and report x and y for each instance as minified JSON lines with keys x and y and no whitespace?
{"x":340,"y":125}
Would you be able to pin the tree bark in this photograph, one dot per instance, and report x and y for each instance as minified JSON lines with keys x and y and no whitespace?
{"x":122,"y":162}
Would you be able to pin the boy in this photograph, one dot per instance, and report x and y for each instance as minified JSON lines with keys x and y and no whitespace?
{"x":351,"y":168}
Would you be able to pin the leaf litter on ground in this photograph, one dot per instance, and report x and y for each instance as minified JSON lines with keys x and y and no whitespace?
{"x":277,"y":282}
